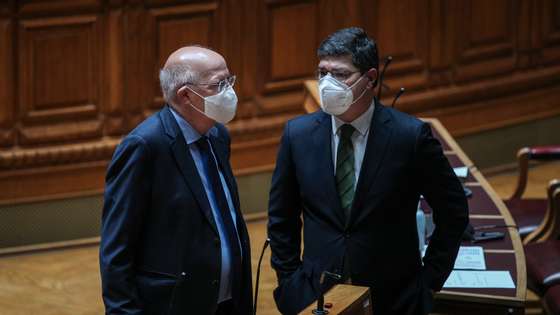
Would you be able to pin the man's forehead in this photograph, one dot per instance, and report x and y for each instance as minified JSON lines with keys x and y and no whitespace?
{"x":337,"y":62}
{"x":219,"y":73}
{"x":207,"y":65}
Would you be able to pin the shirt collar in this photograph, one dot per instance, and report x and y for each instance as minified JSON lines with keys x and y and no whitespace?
{"x":361,"y":124}
{"x":190,"y":134}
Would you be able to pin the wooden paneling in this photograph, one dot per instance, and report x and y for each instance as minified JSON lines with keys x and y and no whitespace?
{"x":405,"y":39}
{"x":178,"y":27}
{"x":483,"y":37}
{"x":549,"y":37}
{"x":80,"y":74}
{"x":286,"y":54}
{"x":43,"y":8}
{"x":7,"y":104}
{"x":292,"y":30}
{"x":113,"y":89}
{"x":59,"y":68}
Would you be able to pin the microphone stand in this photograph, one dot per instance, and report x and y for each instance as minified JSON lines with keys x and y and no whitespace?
{"x":382,"y":75}
{"x":320,"y":310}
{"x":265,"y":245}
{"x":399,"y":93}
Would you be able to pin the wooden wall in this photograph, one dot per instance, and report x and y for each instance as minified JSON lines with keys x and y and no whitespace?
{"x":78,"y":74}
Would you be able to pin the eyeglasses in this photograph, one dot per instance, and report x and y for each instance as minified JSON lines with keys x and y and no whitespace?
{"x":218,"y":86}
{"x":339,"y":75}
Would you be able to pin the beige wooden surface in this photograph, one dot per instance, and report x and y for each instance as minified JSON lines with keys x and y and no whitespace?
{"x":342,"y":297}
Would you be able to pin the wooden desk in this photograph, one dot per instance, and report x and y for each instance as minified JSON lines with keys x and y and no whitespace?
{"x":345,"y":300}
{"x":485,"y":208}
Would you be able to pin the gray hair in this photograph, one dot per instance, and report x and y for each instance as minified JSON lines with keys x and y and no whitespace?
{"x":174,"y":76}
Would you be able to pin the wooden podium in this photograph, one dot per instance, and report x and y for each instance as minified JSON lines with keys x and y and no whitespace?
{"x":345,"y":300}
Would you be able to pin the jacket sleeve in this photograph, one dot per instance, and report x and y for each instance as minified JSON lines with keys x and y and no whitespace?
{"x":284,"y":212}
{"x":442,"y":190}
{"x":127,"y":194}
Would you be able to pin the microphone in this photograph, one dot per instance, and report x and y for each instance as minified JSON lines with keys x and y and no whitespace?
{"x":320,"y":310}
{"x":386,"y":63}
{"x":399,"y":93}
{"x":265,"y":245}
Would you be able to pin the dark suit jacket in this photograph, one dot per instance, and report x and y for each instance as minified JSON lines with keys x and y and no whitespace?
{"x":401,"y":162}
{"x":160,"y":249}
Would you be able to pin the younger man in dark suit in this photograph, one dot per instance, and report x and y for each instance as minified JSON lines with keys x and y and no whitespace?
{"x":355,"y":172}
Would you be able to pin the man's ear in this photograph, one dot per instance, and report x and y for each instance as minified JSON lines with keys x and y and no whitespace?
{"x":372,"y":76}
{"x":182,"y":95}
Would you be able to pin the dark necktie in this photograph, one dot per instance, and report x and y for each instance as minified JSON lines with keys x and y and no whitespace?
{"x":211,"y":170}
{"x":345,"y":176}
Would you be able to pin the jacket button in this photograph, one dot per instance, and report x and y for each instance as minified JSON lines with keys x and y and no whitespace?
{"x":347,"y":235}
{"x":216,"y":241}
{"x":214,"y":282}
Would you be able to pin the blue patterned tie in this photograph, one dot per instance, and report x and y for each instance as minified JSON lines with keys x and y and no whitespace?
{"x":211,"y":170}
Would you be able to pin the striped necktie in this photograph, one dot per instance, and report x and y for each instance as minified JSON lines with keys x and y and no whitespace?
{"x":345,"y":177}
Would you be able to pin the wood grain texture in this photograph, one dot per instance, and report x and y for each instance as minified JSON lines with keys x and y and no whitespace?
{"x":81,"y":73}
{"x":7,"y":105}
{"x":345,"y":300}
{"x":114,"y":73}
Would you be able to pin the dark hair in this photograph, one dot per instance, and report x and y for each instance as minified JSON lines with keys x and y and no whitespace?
{"x":351,"y":41}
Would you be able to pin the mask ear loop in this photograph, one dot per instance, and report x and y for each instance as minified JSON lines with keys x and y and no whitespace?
{"x":363,"y":92}
{"x":191,"y":104}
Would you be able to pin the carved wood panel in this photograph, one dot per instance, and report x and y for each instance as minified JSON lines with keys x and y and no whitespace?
{"x":483,"y":37}
{"x":401,"y":31}
{"x":177,"y":27}
{"x":56,"y":7}
{"x":59,"y":79}
{"x":7,"y":100}
{"x":80,"y":74}
{"x":549,"y":36}
{"x":287,"y":37}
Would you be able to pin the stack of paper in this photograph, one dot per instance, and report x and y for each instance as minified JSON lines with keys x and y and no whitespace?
{"x":470,"y":257}
{"x":479,"y":279}
{"x":461,"y":172}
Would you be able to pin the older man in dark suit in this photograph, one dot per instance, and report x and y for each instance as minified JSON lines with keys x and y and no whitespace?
{"x":354,"y":172}
{"x":173,"y":240}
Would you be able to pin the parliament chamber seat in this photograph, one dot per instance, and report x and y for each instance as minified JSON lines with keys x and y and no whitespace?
{"x":528,"y":213}
{"x":543,"y":265}
{"x":542,"y":252}
{"x":552,"y":300}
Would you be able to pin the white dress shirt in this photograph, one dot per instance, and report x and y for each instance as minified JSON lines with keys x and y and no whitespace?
{"x":359,"y":138}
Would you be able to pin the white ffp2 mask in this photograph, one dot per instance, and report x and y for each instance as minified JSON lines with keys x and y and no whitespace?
{"x":336,"y":97}
{"x":220,"y":107}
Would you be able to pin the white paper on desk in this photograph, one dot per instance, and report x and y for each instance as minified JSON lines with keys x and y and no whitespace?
{"x":461,"y":171}
{"x":479,"y":279}
{"x":470,"y":257}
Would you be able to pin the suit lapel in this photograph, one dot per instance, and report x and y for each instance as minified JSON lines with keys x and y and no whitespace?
{"x":380,"y":133}
{"x":186,"y":165}
{"x":324,"y":172}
